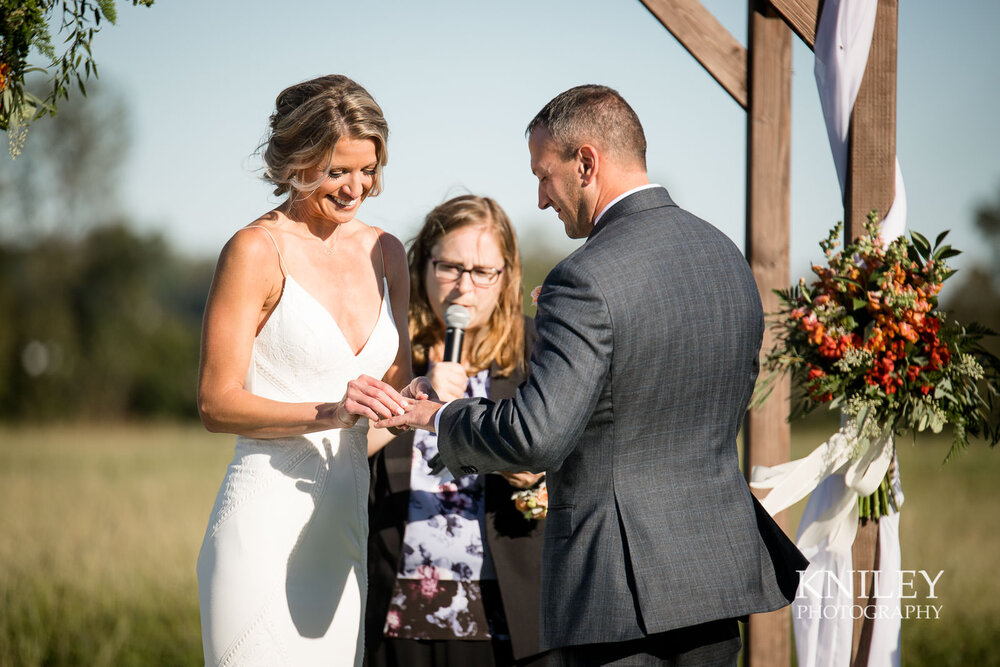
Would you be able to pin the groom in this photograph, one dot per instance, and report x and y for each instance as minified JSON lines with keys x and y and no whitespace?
{"x":647,"y":353}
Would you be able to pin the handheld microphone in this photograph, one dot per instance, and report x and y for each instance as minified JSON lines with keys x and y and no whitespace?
{"x":456,"y":318}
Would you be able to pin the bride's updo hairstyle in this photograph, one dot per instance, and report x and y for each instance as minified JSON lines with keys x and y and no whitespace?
{"x":308,"y":120}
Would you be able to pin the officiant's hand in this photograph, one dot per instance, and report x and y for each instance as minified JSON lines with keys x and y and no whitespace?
{"x":419,"y":414}
{"x":521,"y":480}
{"x":449,"y":379}
{"x":419,"y":388}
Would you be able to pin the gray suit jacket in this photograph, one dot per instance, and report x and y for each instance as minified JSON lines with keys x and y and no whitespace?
{"x":647,"y":353}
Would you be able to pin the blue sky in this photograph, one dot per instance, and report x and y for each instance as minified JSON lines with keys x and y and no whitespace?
{"x":458,"y":82}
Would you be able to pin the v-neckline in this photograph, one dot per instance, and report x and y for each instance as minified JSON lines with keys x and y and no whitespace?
{"x":378,"y":317}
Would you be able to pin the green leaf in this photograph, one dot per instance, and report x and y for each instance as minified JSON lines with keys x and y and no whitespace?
{"x":922,"y":244}
{"x":842,"y":279}
{"x":940,"y":237}
{"x":108,"y":9}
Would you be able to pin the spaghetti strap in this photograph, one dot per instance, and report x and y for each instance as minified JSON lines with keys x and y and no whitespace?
{"x":281,"y":260}
{"x":378,"y":238}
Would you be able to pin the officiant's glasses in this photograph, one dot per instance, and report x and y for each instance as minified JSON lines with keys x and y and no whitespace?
{"x":448,"y":272}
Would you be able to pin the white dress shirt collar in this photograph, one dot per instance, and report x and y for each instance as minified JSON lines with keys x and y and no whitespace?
{"x":621,"y":197}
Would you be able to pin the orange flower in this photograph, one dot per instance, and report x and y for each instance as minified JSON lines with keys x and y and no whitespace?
{"x":876,"y":342}
{"x":816,"y":335}
{"x":811,"y":325}
{"x":908,"y":332}
{"x":898,"y":275}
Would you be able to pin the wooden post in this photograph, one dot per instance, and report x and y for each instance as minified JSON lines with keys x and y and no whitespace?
{"x":766,"y":432}
{"x":871,"y":166}
{"x":871,"y":185}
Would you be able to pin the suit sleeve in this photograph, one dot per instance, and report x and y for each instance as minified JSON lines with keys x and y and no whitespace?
{"x":537,"y":428}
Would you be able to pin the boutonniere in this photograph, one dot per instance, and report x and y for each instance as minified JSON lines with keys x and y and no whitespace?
{"x":532,"y":503}
{"x":534,"y":295}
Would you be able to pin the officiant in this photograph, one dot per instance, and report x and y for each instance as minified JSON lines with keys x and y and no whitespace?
{"x":453,"y":563}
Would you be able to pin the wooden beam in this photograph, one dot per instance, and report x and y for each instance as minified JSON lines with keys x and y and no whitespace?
{"x":802,"y":16}
{"x":871,"y":185}
{"x":865,"y":556}
{"x":871,"y":140}
{"x":707,"y":40}
{"x":766,"y":431}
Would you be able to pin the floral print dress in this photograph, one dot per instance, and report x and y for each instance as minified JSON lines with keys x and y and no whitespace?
{"x":445,"y":566}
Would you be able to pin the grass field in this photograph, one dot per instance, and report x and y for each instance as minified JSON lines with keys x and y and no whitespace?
{"x":100,"y":527}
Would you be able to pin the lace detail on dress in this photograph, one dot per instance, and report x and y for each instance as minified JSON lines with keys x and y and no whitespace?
{"x":250,"y":475}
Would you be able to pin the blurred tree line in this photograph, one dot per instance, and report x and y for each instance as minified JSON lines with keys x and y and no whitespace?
{"x":975,"y":296}
{"x":99,"y":321}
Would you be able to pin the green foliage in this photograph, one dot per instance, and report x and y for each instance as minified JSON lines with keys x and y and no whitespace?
{"x":106,"y":327}
{"x":25,"y":24}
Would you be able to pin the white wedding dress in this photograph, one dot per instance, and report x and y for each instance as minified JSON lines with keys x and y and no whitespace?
{"x":282,"y":575}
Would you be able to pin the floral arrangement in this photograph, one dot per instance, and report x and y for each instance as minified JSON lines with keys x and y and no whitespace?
{"x":532,"y":503}
{"x":867,"y":337}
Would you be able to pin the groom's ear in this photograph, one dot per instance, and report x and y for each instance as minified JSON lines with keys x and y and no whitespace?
{"x":588,"y":163}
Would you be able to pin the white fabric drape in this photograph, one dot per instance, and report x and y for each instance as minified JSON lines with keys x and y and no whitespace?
{"x":829,"y":523}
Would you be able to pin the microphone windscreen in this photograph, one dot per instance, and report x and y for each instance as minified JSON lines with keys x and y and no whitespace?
{"x":456,"y":317}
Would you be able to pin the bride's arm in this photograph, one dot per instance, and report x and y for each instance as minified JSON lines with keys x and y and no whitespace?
{"x":241,"y":294}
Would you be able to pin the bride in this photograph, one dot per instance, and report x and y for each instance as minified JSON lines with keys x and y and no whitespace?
{"x":306,"y":312}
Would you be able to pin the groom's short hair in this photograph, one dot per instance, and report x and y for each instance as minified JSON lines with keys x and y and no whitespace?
{"x":596,"y":115}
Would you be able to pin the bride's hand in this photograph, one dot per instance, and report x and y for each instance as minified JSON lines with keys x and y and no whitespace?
{"x":371,"y":398}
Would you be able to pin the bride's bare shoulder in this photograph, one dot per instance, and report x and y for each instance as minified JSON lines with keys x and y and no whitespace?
{"x":257,"y":243}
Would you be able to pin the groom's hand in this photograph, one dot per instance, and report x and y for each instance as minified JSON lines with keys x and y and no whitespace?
{"x":419,"y":414}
